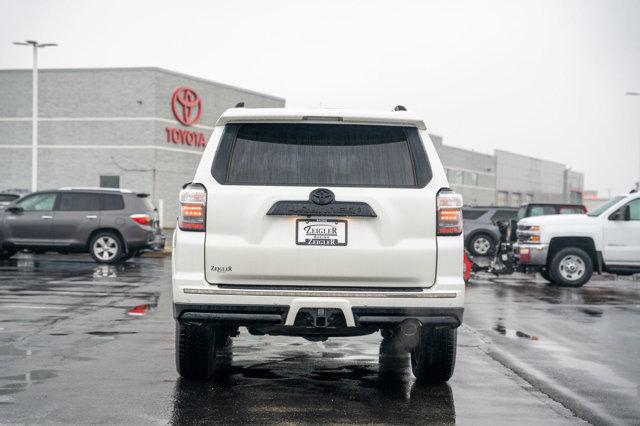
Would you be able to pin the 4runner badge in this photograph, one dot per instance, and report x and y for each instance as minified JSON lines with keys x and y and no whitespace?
{"x":221,"y":269}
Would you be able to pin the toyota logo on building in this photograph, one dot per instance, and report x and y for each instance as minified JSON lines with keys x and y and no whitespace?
{"x":186,"y":105}
{"x":321,"y":196}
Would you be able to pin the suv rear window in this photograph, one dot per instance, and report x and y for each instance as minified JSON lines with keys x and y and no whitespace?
{"x":472,"y":214}
{"x":321,"y":154}
{"x":112,"y":202}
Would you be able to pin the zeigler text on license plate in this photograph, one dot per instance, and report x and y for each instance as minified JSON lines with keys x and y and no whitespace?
{"x":319,"y":232}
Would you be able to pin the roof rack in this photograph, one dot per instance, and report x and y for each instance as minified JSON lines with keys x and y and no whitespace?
{"x":87,"y":188}
{"x":399,"y":108}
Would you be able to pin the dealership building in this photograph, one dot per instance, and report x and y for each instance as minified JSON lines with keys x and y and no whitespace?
{"x":144,"y":129}
{"x":508,"y":179}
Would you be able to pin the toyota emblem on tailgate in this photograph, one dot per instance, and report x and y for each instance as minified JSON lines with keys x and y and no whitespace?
{"x":321,"y":196}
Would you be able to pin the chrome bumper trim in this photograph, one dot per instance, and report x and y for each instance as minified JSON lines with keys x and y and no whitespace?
{"x":285,"y":293}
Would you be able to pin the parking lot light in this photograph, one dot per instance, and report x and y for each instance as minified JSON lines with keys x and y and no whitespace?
{"x":638,"y":182}
{"x":34,"y":120}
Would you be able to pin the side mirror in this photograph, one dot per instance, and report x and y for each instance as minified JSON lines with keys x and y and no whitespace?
{"x":15,"y":209}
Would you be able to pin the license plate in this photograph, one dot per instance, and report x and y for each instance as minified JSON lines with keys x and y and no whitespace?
{"x":318,"y":232}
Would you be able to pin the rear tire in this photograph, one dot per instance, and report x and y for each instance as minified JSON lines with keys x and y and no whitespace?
{"x":434,"y":358}
{"x":195,"y":350}
{"x":482,"y":245}
{"x":571,"y":267}
{"x":106,"y":247}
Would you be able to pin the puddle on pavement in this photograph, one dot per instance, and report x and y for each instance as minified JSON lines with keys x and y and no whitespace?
{"x":110,"y":333}
{"x":507,"y":332}
{"x":20,"y":382}
{"x":592,"y":312}
{"x":11,"y":350}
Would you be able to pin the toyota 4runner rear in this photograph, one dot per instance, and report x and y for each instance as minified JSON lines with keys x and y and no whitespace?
{"x":319,"y":223}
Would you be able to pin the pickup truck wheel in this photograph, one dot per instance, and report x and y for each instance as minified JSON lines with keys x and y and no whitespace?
{"x":482,"y":245}
{"x":434,"y":358}
{"x":195,"y":350}
{"x":571,"y":267}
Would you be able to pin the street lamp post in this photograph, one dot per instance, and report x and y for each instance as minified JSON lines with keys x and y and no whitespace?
{"x":34,"y":114}
{"x":638,"y":182}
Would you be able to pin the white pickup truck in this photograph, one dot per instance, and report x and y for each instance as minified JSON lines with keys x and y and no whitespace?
{"x":568,"y":249}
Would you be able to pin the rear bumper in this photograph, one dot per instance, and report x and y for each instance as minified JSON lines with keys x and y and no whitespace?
{"x":154,"y":243}
{"x":283,"y":315}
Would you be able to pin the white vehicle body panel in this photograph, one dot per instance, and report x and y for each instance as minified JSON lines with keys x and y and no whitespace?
{"x":244,"y":246}
{"x":617,"y":240}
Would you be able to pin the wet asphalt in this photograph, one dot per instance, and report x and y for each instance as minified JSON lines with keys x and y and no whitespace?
{"x":83,"y":343}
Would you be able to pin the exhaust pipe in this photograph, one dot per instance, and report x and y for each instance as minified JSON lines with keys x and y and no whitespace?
{"x":410,"y":332}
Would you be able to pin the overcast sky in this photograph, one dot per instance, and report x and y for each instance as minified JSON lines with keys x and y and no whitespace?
{"x":542,"y":78}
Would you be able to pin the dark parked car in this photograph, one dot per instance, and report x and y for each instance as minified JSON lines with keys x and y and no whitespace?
{"x":481,"y":234}
{"x":111,"y":225}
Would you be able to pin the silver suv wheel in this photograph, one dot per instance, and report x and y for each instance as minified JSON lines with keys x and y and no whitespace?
{"x":481,"y":245}
{"x":106,"y":248}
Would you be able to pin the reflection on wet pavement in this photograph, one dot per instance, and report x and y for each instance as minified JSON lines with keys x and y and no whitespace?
{"x":338,"y":392}
{"x":83,"y":343}
{"x":18,"y":383}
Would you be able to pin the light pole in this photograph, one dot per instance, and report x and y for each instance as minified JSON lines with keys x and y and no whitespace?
{"x":638,"y":182}
{"x":34,"y":105}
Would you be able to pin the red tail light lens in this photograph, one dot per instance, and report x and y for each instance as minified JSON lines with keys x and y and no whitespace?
{"x":142,"y":219}
{"x":449,"y":213}
{"x":193,"y":208}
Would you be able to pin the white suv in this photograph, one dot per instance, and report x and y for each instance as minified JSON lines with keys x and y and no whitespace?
{"x":319,"y":223}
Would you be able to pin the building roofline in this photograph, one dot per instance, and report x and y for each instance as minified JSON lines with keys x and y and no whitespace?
{"x":529,"y":156}
{"x":157,"y":69}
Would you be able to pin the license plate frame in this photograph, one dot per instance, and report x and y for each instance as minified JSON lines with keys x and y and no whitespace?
{"x":324,"y":238}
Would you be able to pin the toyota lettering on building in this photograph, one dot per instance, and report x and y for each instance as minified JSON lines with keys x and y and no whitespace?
{"x":186,"y":105}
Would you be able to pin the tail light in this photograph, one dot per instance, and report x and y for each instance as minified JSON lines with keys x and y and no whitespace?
{"x":449,"y":213}
{"x":142,"y":219}
{"x":193,"y":208}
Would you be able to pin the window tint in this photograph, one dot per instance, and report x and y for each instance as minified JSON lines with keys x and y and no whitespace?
{"x":74,"y":201}
{"x":541,"y":210}
{"x":321,"y":154}
{"x":503,"y":215}
{"x":472,"y":214}
{"x":112,"y":202}
{"x":571,"y":210}
{"x":634,"y":210}
{"x":38,"y":202}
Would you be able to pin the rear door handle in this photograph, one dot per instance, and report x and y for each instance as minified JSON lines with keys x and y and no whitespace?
{"x":92,"y":216}
{"x":47,"y":217}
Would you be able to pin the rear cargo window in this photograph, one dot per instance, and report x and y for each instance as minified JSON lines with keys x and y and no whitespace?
{"x":472,"y":214}
{"x":321,"y":155}
{"x":112,"y":202}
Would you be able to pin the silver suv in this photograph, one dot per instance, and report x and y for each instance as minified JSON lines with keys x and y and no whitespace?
{"x":111,"y":225}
